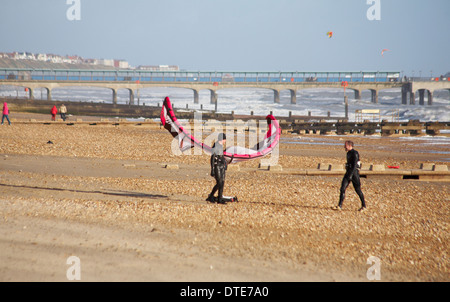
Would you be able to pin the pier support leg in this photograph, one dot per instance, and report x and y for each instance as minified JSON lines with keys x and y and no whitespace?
{"x":293,"y":96}
{"x":412,"y":98}
{"x":430,"y":97}
{"x":404,"y":96}
{"x":422,"y":97}
{"x":49,"y":94}
{"x":114,"y":96}
{"x":374,"y":96}
{"x":406,"y":89}
{"x":31,"y":94}
{"x":276,"y":96}
{"x":196,"y":98}
{"x":213,"y":97}
{"x":131,"y":101}
{"x":346,"y":106}
{"x":357,"y":95}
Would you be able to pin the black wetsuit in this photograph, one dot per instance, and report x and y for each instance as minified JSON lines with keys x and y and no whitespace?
{"x":351,"y":175}
{"x":218,"y":167}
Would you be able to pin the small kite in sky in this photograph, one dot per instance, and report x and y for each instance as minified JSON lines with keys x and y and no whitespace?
{"x":329,"y":34}
{"x":382,"y":52}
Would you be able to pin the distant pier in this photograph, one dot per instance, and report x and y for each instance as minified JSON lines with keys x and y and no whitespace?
{"x":132,"y":81}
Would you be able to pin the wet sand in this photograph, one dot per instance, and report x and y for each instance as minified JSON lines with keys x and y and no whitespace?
{"x":101,"y":193}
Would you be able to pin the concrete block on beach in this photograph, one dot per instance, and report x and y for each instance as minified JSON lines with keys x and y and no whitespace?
{"x":233,"y":168}
{"x":377,"y":168}
{"x":275,"y":168}
{"x":366,"y":166}
{"x":427,"y":166}
{"x":338,"y":167}
{"x":330,"y":167}
{"x":263,"y":166}
{"x":171,"y":166}
{"x":323,"y":166}
{"x":440,"y":168}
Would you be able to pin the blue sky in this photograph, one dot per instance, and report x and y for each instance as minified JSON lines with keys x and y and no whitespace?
{"x":238,"y":35}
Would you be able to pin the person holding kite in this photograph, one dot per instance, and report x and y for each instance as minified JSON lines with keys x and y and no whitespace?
{"x":218,"y":167}
{"x":220,"y":157}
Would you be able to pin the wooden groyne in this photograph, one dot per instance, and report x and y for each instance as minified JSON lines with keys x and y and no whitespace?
{"x":102,"y":121}
{"x":410,"y":128}
{"x":109,"y":110}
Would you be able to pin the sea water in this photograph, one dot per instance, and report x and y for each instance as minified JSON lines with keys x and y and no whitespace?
{"x":316,"y":102}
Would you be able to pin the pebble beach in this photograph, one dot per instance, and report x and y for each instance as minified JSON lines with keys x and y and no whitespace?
{"x":104,"y":194}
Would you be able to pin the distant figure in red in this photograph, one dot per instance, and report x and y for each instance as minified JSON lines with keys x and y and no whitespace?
{"x":5,"y":113}
{"x":54,"y":111}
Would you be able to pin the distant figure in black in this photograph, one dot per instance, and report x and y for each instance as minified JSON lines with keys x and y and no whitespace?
{"x":351,"y":175}
{"x":218,"y":167}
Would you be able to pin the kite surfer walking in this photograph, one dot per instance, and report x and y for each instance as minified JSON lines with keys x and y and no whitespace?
{"x":218,"y":167}
{"x":351,"y":175}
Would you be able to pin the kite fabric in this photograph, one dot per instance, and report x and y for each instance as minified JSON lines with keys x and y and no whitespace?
{"x":232,"y":154}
